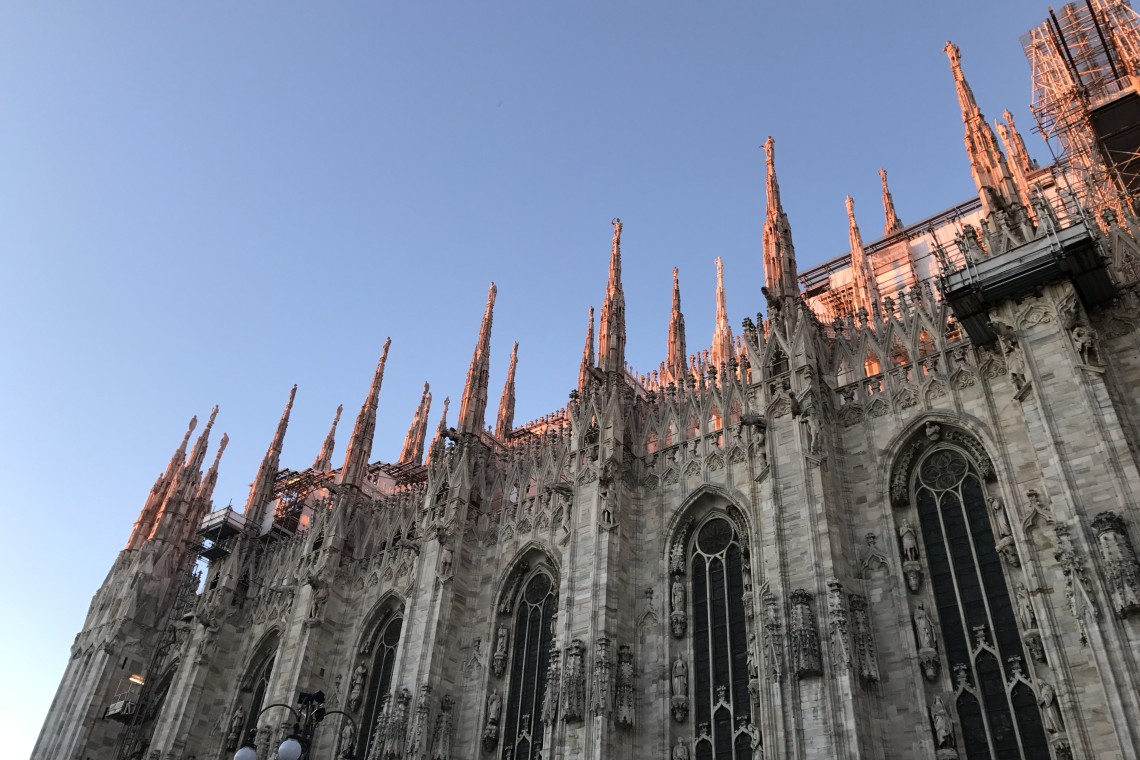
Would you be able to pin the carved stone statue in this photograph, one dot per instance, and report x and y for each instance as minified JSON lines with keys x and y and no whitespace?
{"x":491,"y":729}
{"x":236,"y":723}
{"x":909,"y":542}
{"x":923,"y":628}
{"x":943,"y":725}
{"x":933,"y":431}
{"x":680,"y":750}
{"x":677,"y":596}
{"x":1001,"y":520}
{"x":678,"y":619}
{"x":1050,"y":715}
{"x":815,"y":434}
{"x":1084,"y":338}
{"x":1024,"y":608}
{"x":320,"y":596}
{"x":347,"y":741}
{"x":356,"y":687}
{"x":679,"y":685}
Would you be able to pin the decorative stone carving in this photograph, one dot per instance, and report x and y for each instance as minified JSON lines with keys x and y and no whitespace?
{"x":838,"y":625}
{"x":927,"y":643}
{"x":491,"y":727}
{"x":900,"y":475}
{"x":380,"y":731}
{"x":600,"y":704}
{"x":678,"y":619}
{"x":814,"y":430}
{"x":502,"y":643}
{"x":746,"y":574}
{"x":1078,"y":589}
{"x":574,"y":682}
{"x":1084,"y":341}
{"x":680,"y":750}
{"x":773,"y":660}
{"x":1029,"y":633}
{"x":804,"y":636}
{"x":441,"y":737}
{"x":679,"y":687}
{"x":508,"y":601}
{"x":866,"y":661}
{"x":550,"y":700}
{"x":743,"y":725}
{"x":418,"y":738}
{"x":356,"y":687}
{"x":624,"y":700}
{"x":233,"y":737}
{"x":753,"y":669}
{"x":944,"y":739}
{"x":1118,"y":558}
{"x":397,"y":726}
{"x":346,"y":739}
{"x":677,"y":557}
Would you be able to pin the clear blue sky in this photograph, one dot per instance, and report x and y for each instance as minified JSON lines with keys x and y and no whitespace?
{"x":207,"y":202}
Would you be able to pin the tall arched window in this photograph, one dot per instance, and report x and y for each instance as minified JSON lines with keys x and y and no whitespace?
{"x":996,"y":708}
{"x":380,"y":681}
{"x":722,"y":711}
{"x":534,"y":611}
{"x":256,"y":683}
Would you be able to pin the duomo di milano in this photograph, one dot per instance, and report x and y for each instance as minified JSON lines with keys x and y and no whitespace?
{"x":894,"y":517}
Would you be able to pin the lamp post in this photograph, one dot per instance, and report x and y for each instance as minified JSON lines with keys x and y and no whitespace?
{"x":295,"y":746}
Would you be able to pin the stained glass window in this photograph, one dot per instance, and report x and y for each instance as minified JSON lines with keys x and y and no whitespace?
{"x":383,"y":659}
{"x":530,"y":653}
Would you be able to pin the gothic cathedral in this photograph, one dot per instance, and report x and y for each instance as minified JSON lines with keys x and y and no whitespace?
{"x":895,"y":516}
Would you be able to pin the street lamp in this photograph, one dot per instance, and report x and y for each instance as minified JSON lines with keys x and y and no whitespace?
{"x":306,"y":719}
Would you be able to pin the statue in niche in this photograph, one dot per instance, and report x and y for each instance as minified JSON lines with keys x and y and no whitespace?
{"x":680,"y":750}
{"x":236,"y":722}
{"x":1084,"y":338}
{"x":499,"y":660}
{"x":678,"y":618}
{"x":347,"y":739}
{"x":943,"y":725}
{"x":1001,"y":520}
{"x":933,"y":431}
{"x":1024,"y":608}
{"x":923,"y":628}
{"x":320,"y":596}
{"x":679,"y":685}
{"x":815,"y":434}
{"x":1050,"y":715}
{"x":909,"y":542}
{"x":356,"y":687}
{"x":491,"y":729}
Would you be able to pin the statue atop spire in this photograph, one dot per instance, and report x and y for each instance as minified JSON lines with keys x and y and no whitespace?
{"x":722,"y":343}
{"x":359,"y":449}
{"x":435,"y":451}
{"x":587,"y":355}
{"x":323,"y":462}
{"x":473,"y":404}
{"x":675,"y":368}
{"x":1020,"y":164}
{"x":413,"y":451}
{"x":779,"y":252}
{"x":504,"y":424}
{"x":892,"y":224}
{"x":261,"y":489}
{"x":206,"y":490}
{"x":611,"y":331}
{"x":170,"y":520}
{"x":862,"y":273}
{"x":996,"y":188}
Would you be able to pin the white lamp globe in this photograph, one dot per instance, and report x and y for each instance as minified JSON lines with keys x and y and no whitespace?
{"x":290,"y":749}
{"x":246,"y":753}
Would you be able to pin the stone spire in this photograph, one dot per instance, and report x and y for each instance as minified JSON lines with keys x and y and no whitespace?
{"x":413,"y":451}
{"x":193,"y":466}
{"x":504,"y":424}
{"x":862,"y":273}
{"x":779,"y":253}
{"x":1020,"y":164}
{"x":722,"y":343}
{"x":206,"y":490}
{"x":987,"y":163}
{"x":473,"y":403}
{"x":323,"y":462}
{"x":611,"y":328}
{"x":159,"y":491}
{"x":359,"y":449}
{"x":174,"y":512}
{"x":587,"y":355}
{"x":892,"y":224}
{"x":435,"y":451}
{"x":675,"y":368}
{"x":261,"y":489}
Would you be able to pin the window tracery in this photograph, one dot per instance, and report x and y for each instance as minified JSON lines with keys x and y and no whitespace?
{"x":529,"y":654}
{"x":998,"y":714}
{"x":379,"y":684}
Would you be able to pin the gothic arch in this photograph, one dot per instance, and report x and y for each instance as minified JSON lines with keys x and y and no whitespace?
{"x":390,"y":602}
{"x":250,"y":698}
{"x":708,"y":497}
{"x":962,"y":428}
{"x":534,"y":553}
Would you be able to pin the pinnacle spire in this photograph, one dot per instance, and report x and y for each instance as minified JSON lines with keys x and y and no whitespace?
{"x":722,"y":348}
{"x":1020,"y":164}
{"x":987,"y":162}
{"x":359,"y":449}
{"x":862,"y":273}
{"x":675,"y":368}
{"x":611,"y":330}
{"x":171,"y":516}
{"x":413,"y":451}
{"x":435,"y":451}
{"x":506,"y":419}
{"x":206,"y":490}
{"x":323,"y":462}
{"x":261,"y":489}
{"x":198,"y":455}
{"x":159,"y":490}
{"x":473,"y":403}
{"x":779,"y":252}
{"x":587,"y":355}
{"x":892,"y":224}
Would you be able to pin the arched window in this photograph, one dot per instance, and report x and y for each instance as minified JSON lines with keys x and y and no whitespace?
{"x":380,"y":681}
{"x":722,"y":710}
{"x":534,"y":611}
{"x":256,"y":684}
{"x":998,"y":714}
